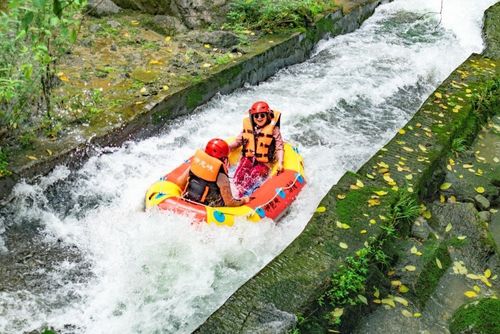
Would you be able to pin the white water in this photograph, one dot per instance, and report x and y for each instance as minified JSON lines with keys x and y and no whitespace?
{"x":155,"y":272}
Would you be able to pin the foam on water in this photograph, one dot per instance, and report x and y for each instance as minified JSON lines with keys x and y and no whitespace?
{"x":155,"y":272}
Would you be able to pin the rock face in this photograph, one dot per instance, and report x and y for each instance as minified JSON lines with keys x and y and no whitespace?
{"x":193,"y":13}
{"x":220,"y":39}
{"x":102,"y":7}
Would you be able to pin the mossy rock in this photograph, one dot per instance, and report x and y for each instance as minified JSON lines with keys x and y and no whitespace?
{"x":479,"y":317}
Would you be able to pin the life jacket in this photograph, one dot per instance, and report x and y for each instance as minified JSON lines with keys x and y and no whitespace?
{"x":260,"y":145}
{"x":202,"y":182}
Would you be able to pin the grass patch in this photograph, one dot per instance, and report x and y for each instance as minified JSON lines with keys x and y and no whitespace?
{"x":268,"y":15}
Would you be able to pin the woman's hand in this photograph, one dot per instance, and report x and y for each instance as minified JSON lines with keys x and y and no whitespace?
{"x":280,"y":168}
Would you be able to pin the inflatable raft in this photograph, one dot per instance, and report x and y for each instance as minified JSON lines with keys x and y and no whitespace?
{"x":270,"y":200}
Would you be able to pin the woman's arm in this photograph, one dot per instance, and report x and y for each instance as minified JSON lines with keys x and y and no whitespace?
{"x":225,"y":191}
{"x":279,"y":150}
{"x":237,"y":142}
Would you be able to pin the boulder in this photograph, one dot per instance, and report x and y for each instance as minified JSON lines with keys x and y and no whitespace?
{"x":482,"y":202}
{"x":192,"y":13}
{"x":484,"y":216}
{"x":420,"y":229}
{"x":167,"y":25}
{"x":100,"y":8}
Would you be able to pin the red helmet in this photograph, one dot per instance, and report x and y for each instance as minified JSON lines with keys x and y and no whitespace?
{"x":258,"y":107}
{"x":217,"y":148}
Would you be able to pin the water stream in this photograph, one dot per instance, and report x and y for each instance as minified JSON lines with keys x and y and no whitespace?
{"x":109,"y":267}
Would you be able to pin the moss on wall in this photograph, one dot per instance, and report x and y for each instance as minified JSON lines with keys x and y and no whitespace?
{"x":479,"y":317}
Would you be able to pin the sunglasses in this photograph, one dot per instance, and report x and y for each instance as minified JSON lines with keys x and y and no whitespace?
{"x":260,"y":115}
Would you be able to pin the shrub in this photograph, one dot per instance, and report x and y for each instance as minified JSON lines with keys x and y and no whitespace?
{"x":269,"y":14}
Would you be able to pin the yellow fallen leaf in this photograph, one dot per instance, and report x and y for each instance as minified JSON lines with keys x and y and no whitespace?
{"x":461,"y":237}
{"x":438,"y":95}
{"x":448,"y":227}
{"x":442,"y":199}
{"x":343,"y":245}
{"x":427,"y":214}
{"x":62,"y":76}
{"x":337,"y":312}
{"x":438,"y":263}
{"x":401,"y":300}
{"x":445,"y":186}
{"x":155,"y":62}
{"x":407,"y":149}
{"x":341,"y":196}
{"x":321,"y":209}
{"x":485,"y":281}
{"x":473,"y":276}
{"x":342,"y":225}
{"x":388,"y":301}
{"x":406,"y":313}
{"x":134,"y":22}
{"x":414,"y":250}
{"x":353,"y":187}
{"x":31,"y":157}
{"x":470,"y":294}
{"x":377,"y":301}
{"x":205,"y":65}
{"x":410,"y":268}
{"x":395,"y":283}
{"x":363,"y":231}
{"x":410,"y":189}
{"x":480,"y":190}
{"x":383,"y":164}
{"x":403,"y":288}
{"x":49,"y":151}
{"x":417,"y":315}
{"x":373,"y":202}
{"x":402,"y":131}
{"x":409,"y":177}
{"x":376,"y":294}
{"x":207,"y":46}
{"x":467,"y":166}
{"x":381,"y":192}
{"x":359,"y":184}
{"x":373,"y":221}
{"x":422,"y":148}
{"x":165,"y":87}
{"x":487,"y":273}
{"x":476,"y":288}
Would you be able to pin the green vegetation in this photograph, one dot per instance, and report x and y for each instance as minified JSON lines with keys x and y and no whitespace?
{"x":268,"y":15}
{"x":405,"y":209}
{"x":479,"y":317}
{"x":34,"y":34}
{"x":4,"y":163}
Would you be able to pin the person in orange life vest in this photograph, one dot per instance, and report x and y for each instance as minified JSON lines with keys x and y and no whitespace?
{"x":207,"y":180}
{"x":262,"y":145}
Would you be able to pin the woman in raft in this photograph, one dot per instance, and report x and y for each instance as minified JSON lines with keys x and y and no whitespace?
{"x":262,"y":145}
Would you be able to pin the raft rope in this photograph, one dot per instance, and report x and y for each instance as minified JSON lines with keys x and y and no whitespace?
{"x":440,"y":14}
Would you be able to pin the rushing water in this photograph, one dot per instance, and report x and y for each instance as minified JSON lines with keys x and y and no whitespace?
{"x":116,"y":269}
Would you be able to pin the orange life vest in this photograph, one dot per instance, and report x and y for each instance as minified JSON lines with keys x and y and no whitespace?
{"x":259,"y":145}
{"x":202,"y":182}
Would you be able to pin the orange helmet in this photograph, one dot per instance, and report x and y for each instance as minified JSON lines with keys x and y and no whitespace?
{"x":258,"y":107}
{"x":217,"y":148}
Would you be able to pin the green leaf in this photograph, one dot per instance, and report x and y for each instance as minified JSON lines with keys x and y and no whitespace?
{"x":57,"y":8}
{"x":26,"y":21}
{"x":39,"y":3}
